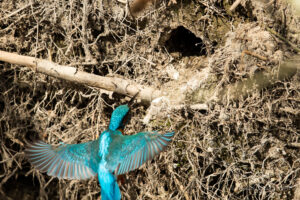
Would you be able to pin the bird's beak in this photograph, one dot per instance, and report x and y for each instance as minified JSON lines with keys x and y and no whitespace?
{"x":133,"y":98}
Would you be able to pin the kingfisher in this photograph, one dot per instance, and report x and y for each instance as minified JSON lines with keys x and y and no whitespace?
{"x":110,"y":155}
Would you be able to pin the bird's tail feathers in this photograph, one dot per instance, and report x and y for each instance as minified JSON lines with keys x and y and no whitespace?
{"x":109,"y":186}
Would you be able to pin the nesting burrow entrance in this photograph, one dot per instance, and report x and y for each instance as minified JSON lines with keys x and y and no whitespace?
{"x":184,"y":41}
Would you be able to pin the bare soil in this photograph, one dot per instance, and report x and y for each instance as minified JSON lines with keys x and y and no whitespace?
{"x":245,"y":147}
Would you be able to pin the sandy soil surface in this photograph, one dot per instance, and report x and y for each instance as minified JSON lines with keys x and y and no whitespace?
{"x":241,"y":63}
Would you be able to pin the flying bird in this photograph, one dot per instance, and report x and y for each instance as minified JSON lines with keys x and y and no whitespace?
{"x":110,"y":155}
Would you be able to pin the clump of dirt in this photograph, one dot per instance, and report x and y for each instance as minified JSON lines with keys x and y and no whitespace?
{"x":245,"y":147}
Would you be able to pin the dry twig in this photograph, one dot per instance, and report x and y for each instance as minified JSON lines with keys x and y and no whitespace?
{"x":88,"y":55}
{"x":16,"y":11}
{"x":253,"y":54}
{"x":234,"y":5}
{"x":284,"y":39}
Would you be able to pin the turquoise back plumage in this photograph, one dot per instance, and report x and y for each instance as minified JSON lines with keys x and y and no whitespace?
{"x":110,"y":155}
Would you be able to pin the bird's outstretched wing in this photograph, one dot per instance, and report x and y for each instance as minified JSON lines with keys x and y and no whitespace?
{"x":130,"y":152}
{"x":70,"y":161}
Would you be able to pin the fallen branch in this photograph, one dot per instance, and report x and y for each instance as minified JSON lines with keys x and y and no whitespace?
{"x":160,"y":101}
{"x":119,"y":85}
{"x":260,"y":80}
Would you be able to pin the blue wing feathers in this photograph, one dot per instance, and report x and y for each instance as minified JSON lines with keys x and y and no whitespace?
{"x":140,"y":148}
{"x":80,"y":161}
{"x":64,"y":161}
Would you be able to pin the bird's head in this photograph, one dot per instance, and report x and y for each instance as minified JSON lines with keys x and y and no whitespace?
{"x":121,"y":116}
{"x":118,"y":117}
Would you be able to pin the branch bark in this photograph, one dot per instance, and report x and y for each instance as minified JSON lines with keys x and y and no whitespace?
{"x":119,"y":85}
{"x":234,"y":5}
{"x":260,"y":80}
{"x":161,"y":100}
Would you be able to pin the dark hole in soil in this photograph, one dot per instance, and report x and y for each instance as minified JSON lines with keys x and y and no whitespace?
{"x":184,"y":41}
{"x":21,"y":188}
